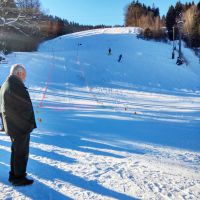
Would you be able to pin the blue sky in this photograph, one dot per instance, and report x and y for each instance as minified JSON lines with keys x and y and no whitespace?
{"x":93,"y":12}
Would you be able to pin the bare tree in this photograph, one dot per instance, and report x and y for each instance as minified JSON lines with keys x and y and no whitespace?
{"x":29,"y":7}
{"x":20,"y":14}
{"x":189,"y":18}
{"x":8,"y":12}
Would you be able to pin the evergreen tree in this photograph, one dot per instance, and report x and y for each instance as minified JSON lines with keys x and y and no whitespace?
{"x":60,"y":26}
{"x":178,"y":8}
{"x":170,"y":21}
{"x":198,"y":6}
{"x":191,"y":16}
{"x":157,"y":12}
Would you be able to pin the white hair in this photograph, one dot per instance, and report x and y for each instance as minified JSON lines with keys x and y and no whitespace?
{"x":16,"y":68}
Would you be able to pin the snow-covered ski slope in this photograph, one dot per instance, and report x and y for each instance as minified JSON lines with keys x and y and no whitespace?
{"x":109,"y":130}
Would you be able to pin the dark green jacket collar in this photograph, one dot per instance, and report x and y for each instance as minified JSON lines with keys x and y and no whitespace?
{"x":16,"y":80}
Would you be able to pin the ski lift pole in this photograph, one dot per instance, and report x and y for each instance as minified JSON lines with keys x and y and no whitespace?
{"x":180,"y":36}
{"x":180,"y":28}
{"x":173,"y":38}
{"x":77,"y":52}
{"x":173,"y":49}
{"x":199,"y":55}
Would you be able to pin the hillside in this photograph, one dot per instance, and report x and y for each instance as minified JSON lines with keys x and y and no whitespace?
{"x":145,"y":63}
{"x":109,"y":129}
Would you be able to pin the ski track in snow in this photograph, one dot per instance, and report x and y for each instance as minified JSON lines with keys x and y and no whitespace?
{"x":101,"y":135}
{"x":153,"y":175}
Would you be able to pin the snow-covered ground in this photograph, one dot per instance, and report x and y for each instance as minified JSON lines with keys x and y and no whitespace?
{"x":109,"y":130}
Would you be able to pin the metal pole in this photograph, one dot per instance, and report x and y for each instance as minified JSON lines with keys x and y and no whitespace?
{"x":180,"y":23}
{"x":173,"y":54}
{"x":77,"y":54}
{"x":180,"y":36}
{"x":173,"y":37}
{"x":77,"y":59}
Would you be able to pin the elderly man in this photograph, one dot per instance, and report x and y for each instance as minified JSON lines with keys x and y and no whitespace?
{"x":19,"y":122}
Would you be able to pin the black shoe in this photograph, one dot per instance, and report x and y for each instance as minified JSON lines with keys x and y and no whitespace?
{"x":22,"y":182}
{"x":11,"y":177}
{"x":2,"y":129}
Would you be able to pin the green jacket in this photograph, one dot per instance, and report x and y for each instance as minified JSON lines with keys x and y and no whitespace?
{"x":16,"y":106}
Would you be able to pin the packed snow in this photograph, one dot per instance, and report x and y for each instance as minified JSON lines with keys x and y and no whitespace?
{"x":108,"y":129}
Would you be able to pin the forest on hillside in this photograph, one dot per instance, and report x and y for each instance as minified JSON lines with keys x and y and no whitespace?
{"x":23,"y":25}
{"x":154,"y":25}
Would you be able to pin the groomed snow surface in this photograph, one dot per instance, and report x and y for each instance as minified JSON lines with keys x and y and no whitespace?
{"x":109,"y":130}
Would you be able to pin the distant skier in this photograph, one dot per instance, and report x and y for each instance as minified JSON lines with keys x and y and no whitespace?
{"x":109,"y":51}
{"x":120,"y":58}
{"x":173,"y":54}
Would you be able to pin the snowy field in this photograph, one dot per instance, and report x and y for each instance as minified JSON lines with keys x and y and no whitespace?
{"x":109,"y":130}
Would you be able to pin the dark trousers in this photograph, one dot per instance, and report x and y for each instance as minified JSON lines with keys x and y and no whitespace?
{"x":19,"y":155}
{"x":2,"y":127}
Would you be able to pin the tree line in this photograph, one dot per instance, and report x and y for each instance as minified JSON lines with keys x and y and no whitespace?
{"x":23,"y":25}
{"x":146,"y":17}
{"x":155,"y":27}
{"x":191,"y":26}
